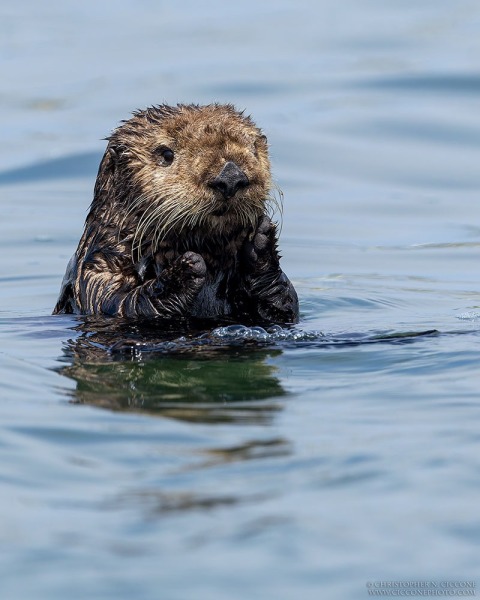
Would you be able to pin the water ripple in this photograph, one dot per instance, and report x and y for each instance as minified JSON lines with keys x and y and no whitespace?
{"x":244,"y":336}
{"x":452,"y":83}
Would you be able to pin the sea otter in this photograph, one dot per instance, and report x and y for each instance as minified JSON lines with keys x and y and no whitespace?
{"x":178,"y":226}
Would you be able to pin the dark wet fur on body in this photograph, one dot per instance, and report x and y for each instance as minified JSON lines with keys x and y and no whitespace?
{"x":178,"y":226}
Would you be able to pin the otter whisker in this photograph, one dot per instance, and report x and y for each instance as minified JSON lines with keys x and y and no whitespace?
{"x":140,"y":230}
{"x":274,"y":206}
{"x":160,"y":233}
{"x":131,"y":210}
{"x":200,"y":197}
{"x":146,"y":229}
{"x":176,"y":215}
{"x":180,"y":215}
{"x":159,"y":212}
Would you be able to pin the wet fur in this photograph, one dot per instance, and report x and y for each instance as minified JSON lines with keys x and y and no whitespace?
{"x":159,"y":241}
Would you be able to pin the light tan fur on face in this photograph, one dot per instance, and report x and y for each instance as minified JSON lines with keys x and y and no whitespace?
{"x":180,"y":224}
{"x":170,"y":199}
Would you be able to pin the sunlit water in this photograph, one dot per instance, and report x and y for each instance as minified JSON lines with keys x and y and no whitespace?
{"x":248,"y":463}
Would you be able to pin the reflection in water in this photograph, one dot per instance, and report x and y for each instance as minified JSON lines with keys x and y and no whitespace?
{"x":249,"y":451}
{"x":134,"y":366}
{"x":191,"y":375}
{"x":156,"y":503}
{"x":192,"y":372}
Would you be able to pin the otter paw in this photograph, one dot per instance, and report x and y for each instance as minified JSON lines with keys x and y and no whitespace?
{"x":263,"y":235}
{"x":261,"y":249}
{"x":193,"y":264}
{"x":177,"y":287}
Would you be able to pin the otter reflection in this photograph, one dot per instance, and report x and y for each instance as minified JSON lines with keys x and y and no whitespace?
{"x":131,"y":366}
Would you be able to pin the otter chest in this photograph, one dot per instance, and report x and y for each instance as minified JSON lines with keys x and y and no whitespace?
{"x":212,"y":300}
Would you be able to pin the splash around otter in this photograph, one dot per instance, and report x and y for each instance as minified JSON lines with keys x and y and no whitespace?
{"x":178,"y":226}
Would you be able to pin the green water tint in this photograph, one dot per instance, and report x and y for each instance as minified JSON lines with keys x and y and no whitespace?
{"x":220,"y":389}
{"x":225,"y":374}
{"x":249,"y":463}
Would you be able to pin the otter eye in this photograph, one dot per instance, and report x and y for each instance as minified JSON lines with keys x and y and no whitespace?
{"x":165,"y":155}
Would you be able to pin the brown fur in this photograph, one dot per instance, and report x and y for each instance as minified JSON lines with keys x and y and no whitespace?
{"x":161,"y":240}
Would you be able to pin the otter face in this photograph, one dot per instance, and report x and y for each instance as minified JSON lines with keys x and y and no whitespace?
{"x":188,"y":167}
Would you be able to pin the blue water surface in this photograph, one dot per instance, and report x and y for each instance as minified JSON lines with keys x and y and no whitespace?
{"x":249,"y":464}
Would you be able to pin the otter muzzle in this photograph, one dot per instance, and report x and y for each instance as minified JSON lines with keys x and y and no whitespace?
{"x":230,"y":179}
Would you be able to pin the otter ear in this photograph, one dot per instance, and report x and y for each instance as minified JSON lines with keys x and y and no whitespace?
{"x":106,"y":171}
{"x":112,"y":152}
{"x":110,"y":160}
{"x":261,"y":143}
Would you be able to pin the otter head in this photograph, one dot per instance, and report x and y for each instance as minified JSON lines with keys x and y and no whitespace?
{"x":168,"y":170}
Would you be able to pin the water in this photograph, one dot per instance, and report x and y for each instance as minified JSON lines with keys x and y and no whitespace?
{"x":278,"y":467}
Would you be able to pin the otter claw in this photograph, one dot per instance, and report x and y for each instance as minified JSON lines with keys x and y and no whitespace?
{"x":263,"y":234}
{"x":194,"y":263}
{"x":262,"y":242}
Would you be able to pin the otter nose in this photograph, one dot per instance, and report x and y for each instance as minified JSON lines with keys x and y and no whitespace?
{"x":230,"y":179}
